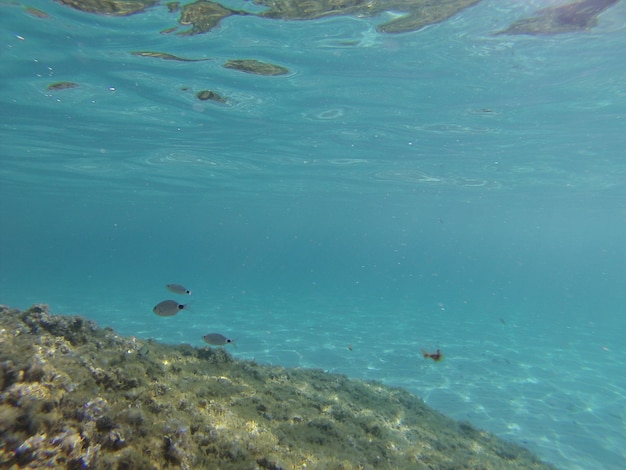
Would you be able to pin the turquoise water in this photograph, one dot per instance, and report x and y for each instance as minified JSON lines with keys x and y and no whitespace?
{"x":446,"y":188}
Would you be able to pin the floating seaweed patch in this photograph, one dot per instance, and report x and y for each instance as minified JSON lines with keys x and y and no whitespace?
{"x":165,"y":56}
{"x":256,"y":67}
{"x":62,"y":85}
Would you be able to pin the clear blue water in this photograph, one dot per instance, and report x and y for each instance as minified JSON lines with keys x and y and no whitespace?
{"x":446,"y":188}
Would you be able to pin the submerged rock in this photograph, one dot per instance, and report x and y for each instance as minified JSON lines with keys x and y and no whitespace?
{"x":73,"y":395}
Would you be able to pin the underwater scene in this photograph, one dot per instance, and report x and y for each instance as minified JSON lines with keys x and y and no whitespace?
{"x":334,"y":234}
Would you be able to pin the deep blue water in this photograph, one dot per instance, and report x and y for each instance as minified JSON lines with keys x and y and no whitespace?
{"x":447,"y":188}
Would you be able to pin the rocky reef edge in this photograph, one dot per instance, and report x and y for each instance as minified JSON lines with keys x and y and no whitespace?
{"x":76,"y":396}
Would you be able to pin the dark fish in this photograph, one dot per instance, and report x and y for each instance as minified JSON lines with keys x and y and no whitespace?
{"x":178,"y":289}
{"x":168,"y":308}
{"x":436,"y":356}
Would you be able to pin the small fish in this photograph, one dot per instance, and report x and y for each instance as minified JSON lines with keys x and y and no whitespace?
{"x":436,"y":356}
{"x":168,"y":308}
{"x":216,"y":339}
{"x":178,"y":289}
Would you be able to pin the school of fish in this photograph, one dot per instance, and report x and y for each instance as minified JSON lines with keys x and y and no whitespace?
{"x":169,"y":308}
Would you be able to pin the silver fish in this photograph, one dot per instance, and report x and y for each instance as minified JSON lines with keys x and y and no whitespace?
{"x":216,"y":339}
{"x":178,"y":289}
{"x":168,"y":308}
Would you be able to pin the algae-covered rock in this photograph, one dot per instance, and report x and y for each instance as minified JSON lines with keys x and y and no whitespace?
{"x":568,"y":18}
{"x":73,"y":395}
{"x":256,"y":67}
{"x":110,"y":7}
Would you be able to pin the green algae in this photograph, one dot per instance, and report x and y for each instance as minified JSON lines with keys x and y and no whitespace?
{"x":73,"y":395}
